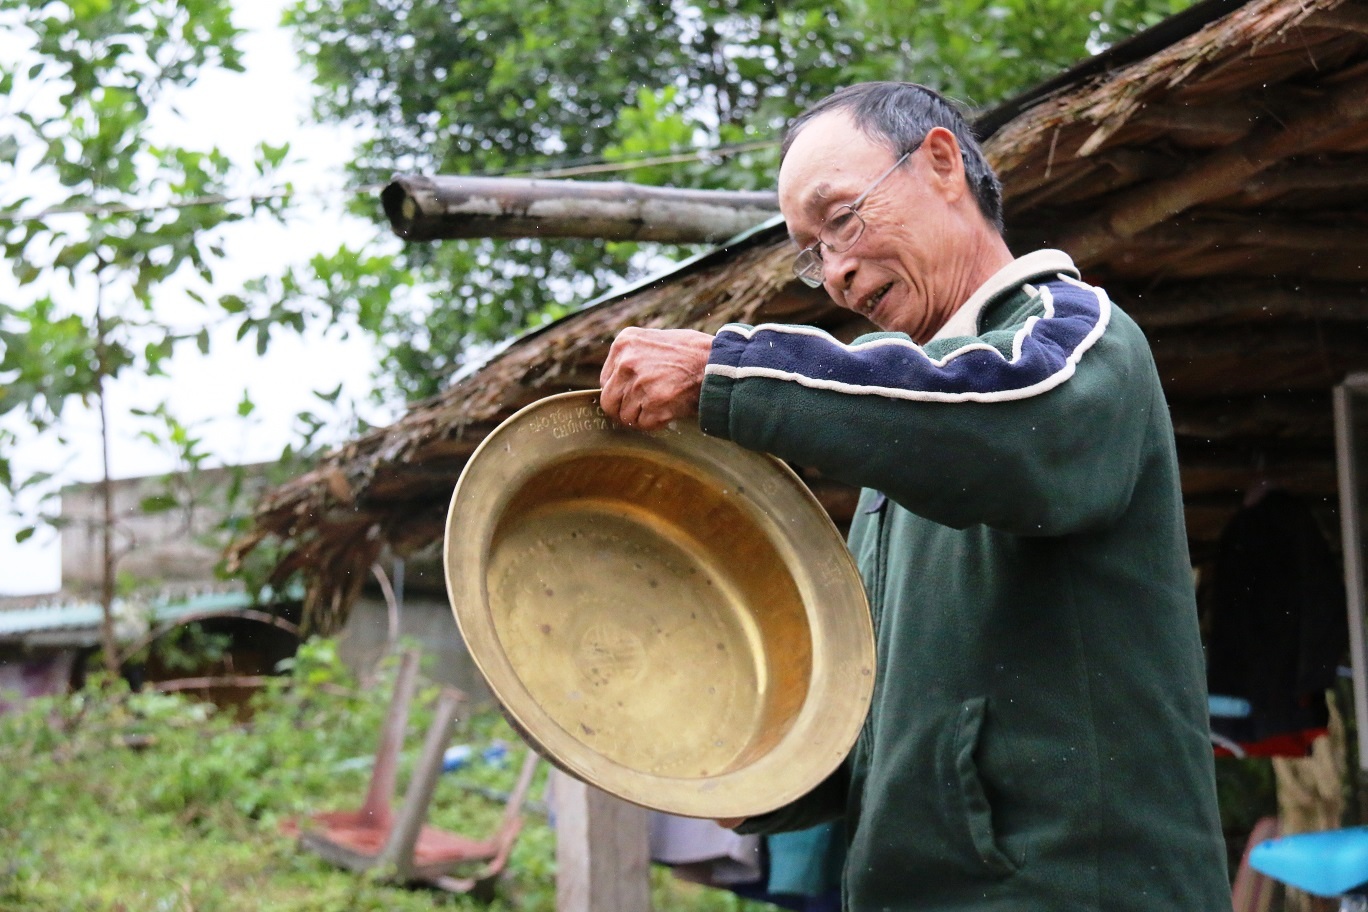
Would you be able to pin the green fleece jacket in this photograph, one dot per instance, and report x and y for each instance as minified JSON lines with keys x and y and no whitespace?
{"x":1038,"y":737}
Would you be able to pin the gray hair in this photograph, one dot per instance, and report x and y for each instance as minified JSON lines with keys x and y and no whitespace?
{"x":899,"y":115}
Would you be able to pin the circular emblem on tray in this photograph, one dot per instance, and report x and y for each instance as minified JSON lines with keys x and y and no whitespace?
{"x":608,"y":654}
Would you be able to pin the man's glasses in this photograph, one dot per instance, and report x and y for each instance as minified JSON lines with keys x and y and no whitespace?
{"x":840,"y":232}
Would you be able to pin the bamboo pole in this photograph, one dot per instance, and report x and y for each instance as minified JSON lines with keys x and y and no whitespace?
{"x":422,"y":208}
{"x":209,"y":681}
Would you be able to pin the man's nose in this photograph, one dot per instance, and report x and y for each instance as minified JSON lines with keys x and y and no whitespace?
{"x":838,"y":273}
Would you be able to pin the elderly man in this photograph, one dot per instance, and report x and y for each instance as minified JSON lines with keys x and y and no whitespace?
{"x":1038,"y":737}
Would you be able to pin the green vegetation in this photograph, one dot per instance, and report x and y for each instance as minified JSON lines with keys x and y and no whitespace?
{"x":115,"y":238}
{"x":674,"y":94}
{"x":119,"y":801}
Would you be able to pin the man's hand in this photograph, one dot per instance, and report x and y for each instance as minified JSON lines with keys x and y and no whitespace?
{"x":653,"y":376}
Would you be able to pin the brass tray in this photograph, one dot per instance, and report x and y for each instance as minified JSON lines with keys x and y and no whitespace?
{"x":667,"y":616}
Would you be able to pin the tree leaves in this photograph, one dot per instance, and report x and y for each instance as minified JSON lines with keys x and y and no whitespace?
{"x":46,"y":358}
{"x":485,"y":87}
{"x":93,"y":264}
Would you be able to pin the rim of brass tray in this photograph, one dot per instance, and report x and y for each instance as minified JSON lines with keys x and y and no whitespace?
{"x":559,"y":498}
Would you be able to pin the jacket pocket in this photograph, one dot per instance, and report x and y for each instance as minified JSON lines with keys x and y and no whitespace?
{"x":978,"y":812}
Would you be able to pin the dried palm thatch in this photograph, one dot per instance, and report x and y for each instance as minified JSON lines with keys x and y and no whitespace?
{"x":390,"y":488}
{"x":1214,"y":111}
{"x":1214,"y":186}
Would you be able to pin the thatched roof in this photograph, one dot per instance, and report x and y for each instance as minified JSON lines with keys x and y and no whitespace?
{"x":1211,"y":174}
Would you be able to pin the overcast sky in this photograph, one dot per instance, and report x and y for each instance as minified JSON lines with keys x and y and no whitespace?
{"x":235,"y":112}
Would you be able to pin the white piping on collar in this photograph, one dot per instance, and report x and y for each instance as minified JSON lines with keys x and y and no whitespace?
{"x":964,"y":322}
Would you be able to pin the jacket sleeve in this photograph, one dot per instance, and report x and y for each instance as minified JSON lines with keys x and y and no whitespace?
{"x":824,"y":803}
{"x":1036,"y":429}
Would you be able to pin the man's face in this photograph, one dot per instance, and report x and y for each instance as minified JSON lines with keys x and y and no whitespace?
{"x":894,"y":273}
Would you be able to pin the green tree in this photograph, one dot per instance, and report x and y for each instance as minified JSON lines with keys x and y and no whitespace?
{"x":486,"y":87}
{"x":984,"y":51}
{"x":93,"y":256}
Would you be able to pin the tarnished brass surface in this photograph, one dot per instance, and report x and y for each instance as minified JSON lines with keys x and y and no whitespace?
{"x":669,"y":617}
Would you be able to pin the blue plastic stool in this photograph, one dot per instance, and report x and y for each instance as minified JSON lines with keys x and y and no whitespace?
{"x":1330,"y":864}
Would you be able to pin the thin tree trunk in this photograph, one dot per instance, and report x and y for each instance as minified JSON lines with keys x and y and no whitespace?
{"x":107,"y":636}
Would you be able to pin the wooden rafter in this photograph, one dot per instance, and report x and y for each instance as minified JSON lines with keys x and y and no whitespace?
{"x":1242,"y":301}
{"x":1302,"y":176}
{"x":1214,"y":176}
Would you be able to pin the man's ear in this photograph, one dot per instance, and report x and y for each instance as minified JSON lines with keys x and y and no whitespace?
{"x":942,"y":152}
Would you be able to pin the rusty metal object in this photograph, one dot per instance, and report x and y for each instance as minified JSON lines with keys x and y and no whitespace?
{"x":667,"y":616}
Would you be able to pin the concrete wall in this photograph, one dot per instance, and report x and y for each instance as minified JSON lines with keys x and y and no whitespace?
{"x":171,"y":546}
{"x":177,"y":548}
{"x":424,"y":619}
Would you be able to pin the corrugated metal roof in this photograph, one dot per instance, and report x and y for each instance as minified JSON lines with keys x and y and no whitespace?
{"x":47,"y":618}
{"x":77,"y":623}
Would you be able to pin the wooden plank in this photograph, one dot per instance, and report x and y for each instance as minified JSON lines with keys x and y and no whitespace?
{"x":602,"y":863}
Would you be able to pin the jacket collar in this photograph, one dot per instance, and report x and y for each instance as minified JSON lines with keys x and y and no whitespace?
{"x":1036,"y":265}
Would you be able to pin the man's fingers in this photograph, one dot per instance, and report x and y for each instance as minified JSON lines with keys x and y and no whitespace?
{"x":649,"y":421}
{"x":610,"y":400}
{"x":613,"y":387}
{"x":654,"y":418}
{"x":610,"y":363}
{"x":651,"y":377}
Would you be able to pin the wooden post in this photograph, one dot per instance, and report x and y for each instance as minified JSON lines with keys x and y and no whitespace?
{"x":376,"y":807}
{"x":602,"y":860}
{"x":408,"y":825}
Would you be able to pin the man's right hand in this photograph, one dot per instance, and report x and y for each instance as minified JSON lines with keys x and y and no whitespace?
{"x":653,"y":376}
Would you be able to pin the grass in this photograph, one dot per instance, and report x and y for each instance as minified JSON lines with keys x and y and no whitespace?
{"x":132,"y":802}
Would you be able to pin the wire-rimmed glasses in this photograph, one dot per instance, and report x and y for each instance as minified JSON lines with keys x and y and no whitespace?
{"x":840,"y":232}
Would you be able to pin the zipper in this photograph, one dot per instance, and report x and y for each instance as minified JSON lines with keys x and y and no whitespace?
{"x":876,"y":605}
{"x":876,"y":598}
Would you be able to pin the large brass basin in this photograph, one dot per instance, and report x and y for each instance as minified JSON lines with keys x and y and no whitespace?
{"x":667,"y":616}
